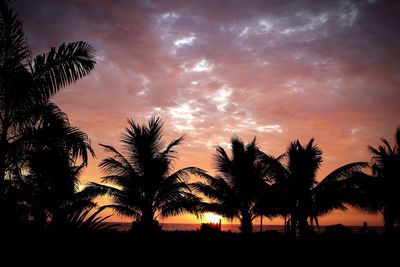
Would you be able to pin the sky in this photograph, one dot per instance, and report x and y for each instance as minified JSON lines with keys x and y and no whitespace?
{"x":277,"y":70}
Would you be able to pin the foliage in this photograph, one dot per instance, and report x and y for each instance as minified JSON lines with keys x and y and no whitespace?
{"x":237,"y":189}
{"x":380,"y":192}
{"x":146,"y":188}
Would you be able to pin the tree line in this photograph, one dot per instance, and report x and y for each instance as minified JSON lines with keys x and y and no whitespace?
{"x":42,"y":156}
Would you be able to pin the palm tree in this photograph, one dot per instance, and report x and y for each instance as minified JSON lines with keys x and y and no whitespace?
{"x":303,"y":197}
{"x":236,"y":190}
{"x":380,"y":193}
{"x":26,"y":85}
{"x":146,"y":188}
{"x":53,"y":159}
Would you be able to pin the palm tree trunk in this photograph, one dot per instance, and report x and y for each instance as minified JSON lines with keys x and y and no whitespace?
{"x":293,"y":225}
{"x":303,"y":226}
{"x":246,"y":225}
{"x":388,"y":220}
{"x":147,"y":217}
{"x":149,"y":225}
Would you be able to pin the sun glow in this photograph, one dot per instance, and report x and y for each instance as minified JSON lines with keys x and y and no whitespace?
{"x":212,"y":217}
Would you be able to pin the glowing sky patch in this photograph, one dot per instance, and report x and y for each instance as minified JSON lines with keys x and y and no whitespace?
{"x":201,"y":66}
{"x":270,"y":128}
{"x":184,"y":41}
{"x":221,"y":97}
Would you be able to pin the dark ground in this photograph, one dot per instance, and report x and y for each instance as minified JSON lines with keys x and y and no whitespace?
{"x":196,"y":248}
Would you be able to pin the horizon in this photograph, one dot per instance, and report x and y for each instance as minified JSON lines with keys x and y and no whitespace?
{"x":255,"y":225}
{"x":211,"y":70}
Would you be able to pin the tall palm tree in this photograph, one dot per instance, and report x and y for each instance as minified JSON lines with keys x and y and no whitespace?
{"x":303,"y":197}
{"x":146,"y":188}
{"x":380,"y":193}
{"x":236,"y":190}
{"x":26,"y":85}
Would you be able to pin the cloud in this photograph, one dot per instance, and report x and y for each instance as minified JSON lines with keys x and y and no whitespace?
{"x":184,"y":41}
{"x":202,"y":65}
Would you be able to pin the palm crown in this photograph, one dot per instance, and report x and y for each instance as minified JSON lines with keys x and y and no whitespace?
{"x":302,"y":196}
{"x":146,"y":186}
{"x":380,"y":192}
{"x":236,"y":190}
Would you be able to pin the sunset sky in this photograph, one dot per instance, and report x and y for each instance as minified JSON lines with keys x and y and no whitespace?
{"x":277,"y":70}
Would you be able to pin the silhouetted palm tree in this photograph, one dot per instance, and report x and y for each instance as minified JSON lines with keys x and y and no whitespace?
{"x":236,"y":191}
{"x":146,"y":187}
{"x":49,"y":190}
{"x":380,"y":193}
{"x":302,"y":196}
{"x":26,"y":85}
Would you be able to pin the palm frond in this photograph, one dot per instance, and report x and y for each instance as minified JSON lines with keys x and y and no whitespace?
{"x":117,"y":164}
{"x":219,"y":193}
{"x":222,"y":162}
{"x":81,"y":220}
{"x":203,"y":174}
{"x":113,"y":166}
{"x":208,"y":191}
{"x":123,"y":210}
{"x":386,"y":142}
{"x":168,"y":151}
{"x":374,"y":150}
{"x":224,"y":210}
{"x":96,"y":189}
{"x":168,"y":191}
{"x":344,"y":171}
{"x":12,"y":37}
{"x":180,"y":203}
{"x":184,"y":174}
{"x":59,"y":67}
{"x":53,"y":128}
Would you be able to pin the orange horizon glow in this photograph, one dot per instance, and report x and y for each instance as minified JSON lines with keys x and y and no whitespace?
{"x":349,"y":218}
